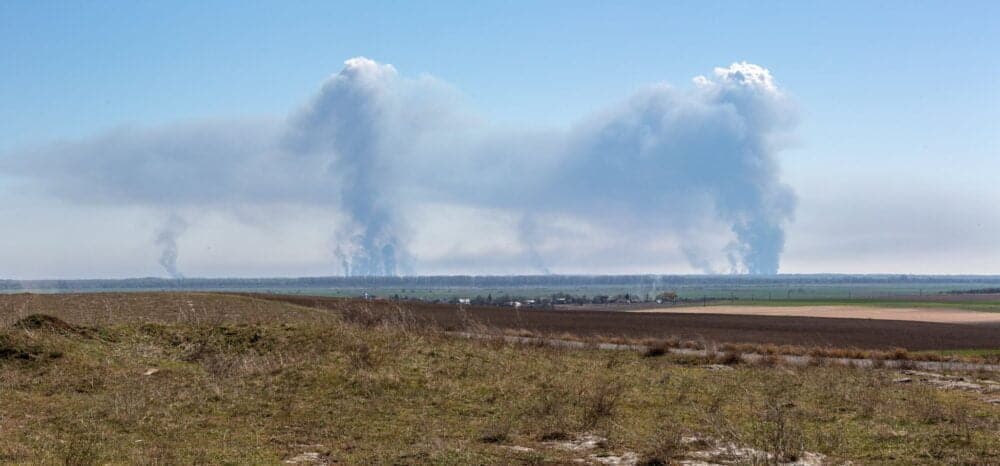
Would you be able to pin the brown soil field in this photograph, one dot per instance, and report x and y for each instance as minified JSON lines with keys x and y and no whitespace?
{"x":944,"y":316}
{"x":721,"y":328}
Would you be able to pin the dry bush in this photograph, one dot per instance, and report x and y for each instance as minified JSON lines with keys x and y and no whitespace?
{"x":776,"y":428}
{"x":600,"y":401}
{"x":663,"y":446}
{"x":768,"y":360}
{"x":546,"y":409}
{"x":360,"y":356}
{"x":711,"y":409}
{"x":867,"y":394}
{"x":898,"y":354}
{"x":655,"y":350}
{"x":878,"y":363}
{"x":962,"y":422}
{"x":690,"y":344}
{"x":728,"y":358}
{"x":926,"y":405}
{"x":497,"y":430}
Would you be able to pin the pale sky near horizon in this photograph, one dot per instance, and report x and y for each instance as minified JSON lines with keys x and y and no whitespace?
{"x":894,"y":156}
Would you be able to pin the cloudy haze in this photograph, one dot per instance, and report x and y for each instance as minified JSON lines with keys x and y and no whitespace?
{"x":375,"y":140}
{"x":694,"y":166}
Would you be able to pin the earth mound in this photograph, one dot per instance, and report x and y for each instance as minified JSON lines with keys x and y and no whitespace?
{"x":45,"y":322}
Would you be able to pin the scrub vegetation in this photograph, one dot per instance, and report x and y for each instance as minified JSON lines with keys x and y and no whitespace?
{"x":217,"y":379}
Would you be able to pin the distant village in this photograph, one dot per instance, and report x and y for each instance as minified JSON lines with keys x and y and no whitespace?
{"x":551,"y":301}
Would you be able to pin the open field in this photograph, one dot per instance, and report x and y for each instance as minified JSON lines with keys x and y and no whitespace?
{"x":961,"y":302}
{"x":965,"y":302}
{"x":805,"y":331}
{"x":915,"y":314}
{"x":223,"y":379}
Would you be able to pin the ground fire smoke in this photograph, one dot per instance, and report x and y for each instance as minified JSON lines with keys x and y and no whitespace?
{"x":166,"y":239}
{"x":345,"y":125}
{"x":684,"y":165}
{"x":670,"y":160}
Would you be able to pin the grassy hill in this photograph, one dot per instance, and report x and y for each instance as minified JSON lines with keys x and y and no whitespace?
{"x":212,"y":379}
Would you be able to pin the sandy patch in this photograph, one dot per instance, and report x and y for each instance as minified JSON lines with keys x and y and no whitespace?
{"x":945,"y":316}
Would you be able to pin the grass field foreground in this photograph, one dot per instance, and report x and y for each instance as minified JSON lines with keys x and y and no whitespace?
{"x":358,"y":388}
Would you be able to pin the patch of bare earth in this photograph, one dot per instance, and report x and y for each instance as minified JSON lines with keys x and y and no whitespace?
{"x":942,"y":316}
{"x":987,"y":388}
{"x":592,"y":449}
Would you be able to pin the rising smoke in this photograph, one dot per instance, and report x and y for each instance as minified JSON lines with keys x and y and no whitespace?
{"x":667,"y":158}
{"x":166,"y":239}
{"x":681,"y":163}
{"x":345,"y":125}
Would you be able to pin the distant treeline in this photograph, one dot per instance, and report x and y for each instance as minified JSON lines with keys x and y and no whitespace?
{"x":498,"y":281}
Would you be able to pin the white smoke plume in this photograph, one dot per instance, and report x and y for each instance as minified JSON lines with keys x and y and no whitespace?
{"x":166,"y":239}
{"x":666,"y":162}
{"x":345,"y":126}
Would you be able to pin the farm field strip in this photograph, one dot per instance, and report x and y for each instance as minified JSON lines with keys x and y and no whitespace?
{"x":722,"y":328}
{"x":842,"y":311}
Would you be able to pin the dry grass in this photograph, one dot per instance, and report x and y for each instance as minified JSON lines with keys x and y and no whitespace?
{"x":377,"y":389}
{"x":659,"y":347}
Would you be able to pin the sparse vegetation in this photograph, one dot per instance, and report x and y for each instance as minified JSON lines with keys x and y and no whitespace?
{"x":240,"y":380}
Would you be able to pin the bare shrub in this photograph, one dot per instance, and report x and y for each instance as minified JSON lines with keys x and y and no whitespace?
{"x":728,"y":358}
{"x":926,"y":404}
{"x":600,"y":401}
{"x":360,"y":356}
{"x":862,"y":392}
{"x":654,"y":350}
{"x":963,"y":423}
{"x":769,"y":360}
{"x":776,"y":428}
{"x":899,"y":354}
{"x":663,"y":446}
{"x":547,"y":411}
{"x":496,"y":431}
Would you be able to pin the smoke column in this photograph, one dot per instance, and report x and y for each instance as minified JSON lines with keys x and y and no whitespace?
{"x":344,"y":124}
{"x":166,"y":239}
{"x":530,"y":236}
{"x":695,"y":167}
{"x":677,"y":161}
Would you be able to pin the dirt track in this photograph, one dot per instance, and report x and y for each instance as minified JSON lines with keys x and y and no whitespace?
{"x":806,"y":331}
{"x":944,"y":316}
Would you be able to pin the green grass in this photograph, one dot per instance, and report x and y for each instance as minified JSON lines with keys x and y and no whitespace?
{"x":228,"y":392}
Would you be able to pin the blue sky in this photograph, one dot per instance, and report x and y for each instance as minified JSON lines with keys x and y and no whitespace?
{"x":897,"y":102}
